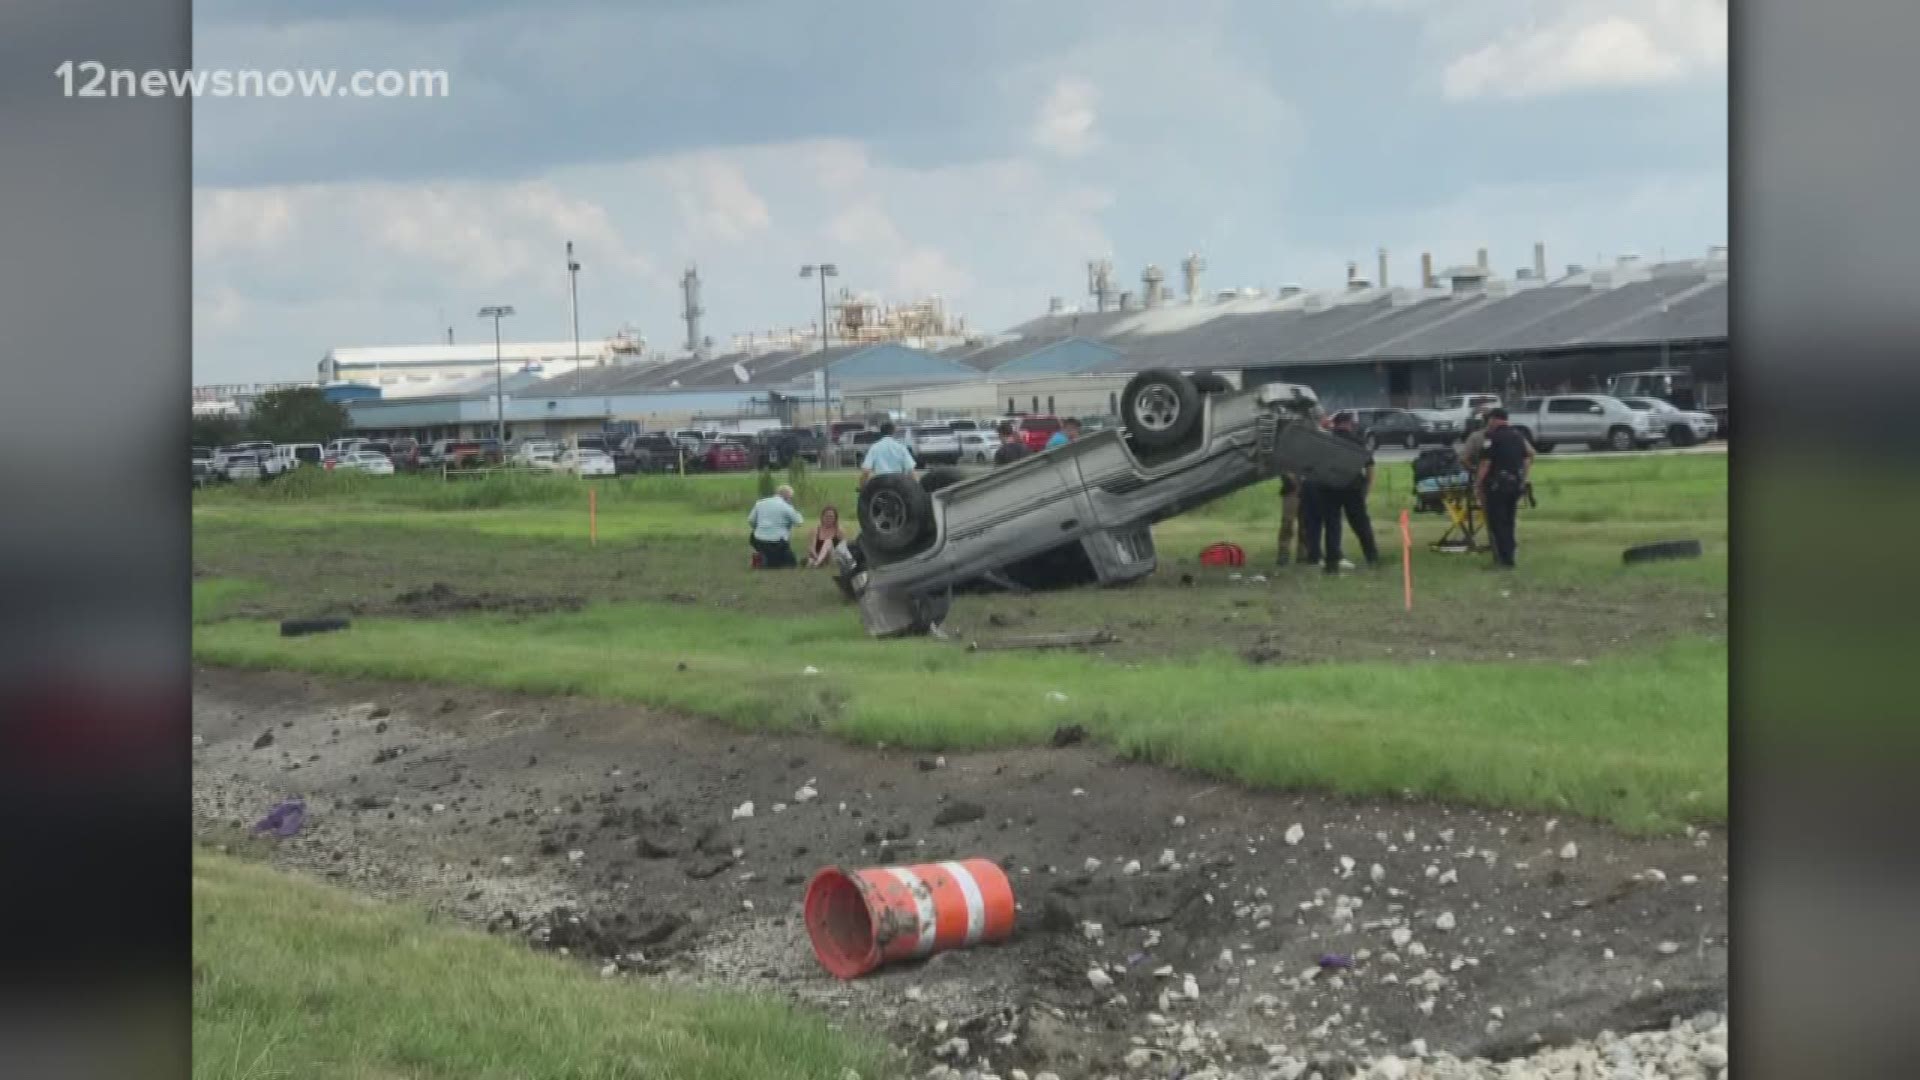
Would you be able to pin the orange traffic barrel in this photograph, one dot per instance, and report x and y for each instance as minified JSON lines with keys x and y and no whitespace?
{"x":861,"y":919}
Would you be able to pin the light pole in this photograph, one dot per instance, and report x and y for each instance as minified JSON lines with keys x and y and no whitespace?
{"x":823,"y":271}
{"x":496,"y":312}
{"x":573,"y":301}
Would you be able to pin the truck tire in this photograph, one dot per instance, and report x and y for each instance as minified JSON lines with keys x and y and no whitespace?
{"x":1620,"y":439}
{"x":1208,"y":383}
{"x":1412,"y":441}
{"x":896,"y":513}
{"x":1159,"y":409}
{"x":1680,"y":435}
{"x":1665,"y":549}
{"x":934,"y":479}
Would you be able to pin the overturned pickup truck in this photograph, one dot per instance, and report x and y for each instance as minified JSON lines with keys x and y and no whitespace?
{"x":1080,"y":513}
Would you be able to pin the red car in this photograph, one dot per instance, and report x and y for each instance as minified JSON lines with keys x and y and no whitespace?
{"x":725,"y":457}
{"x":1036,"y":430}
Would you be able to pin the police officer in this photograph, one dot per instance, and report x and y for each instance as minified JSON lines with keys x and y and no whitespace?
{"x":1505,"y":462}
{"x":1348,"y":502}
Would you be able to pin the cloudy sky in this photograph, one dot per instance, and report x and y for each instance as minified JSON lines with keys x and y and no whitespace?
{"x":982,"y":151}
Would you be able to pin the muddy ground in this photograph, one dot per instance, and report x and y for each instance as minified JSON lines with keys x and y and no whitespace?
{"x":607,"y":830}
{"x":1264,"y":614}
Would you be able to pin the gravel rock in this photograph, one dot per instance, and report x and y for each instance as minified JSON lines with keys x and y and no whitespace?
{"x":743,"y":811}
{"x":1444,"y":921}
{"x":1570,"y":851}
{"x":1295,"y":833}
{"x":1099,"y":978}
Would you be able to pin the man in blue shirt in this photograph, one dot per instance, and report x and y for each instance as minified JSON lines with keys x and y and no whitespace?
{"x":886,"y":455}
{"x":1069,"y":431}
{"x":773,"y":519}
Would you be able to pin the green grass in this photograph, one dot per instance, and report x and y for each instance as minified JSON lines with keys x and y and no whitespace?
{"x":1636,"y":738}
{"x":1635,"y":735}
{"x":216,"y":598}
{"x":294,"y":979}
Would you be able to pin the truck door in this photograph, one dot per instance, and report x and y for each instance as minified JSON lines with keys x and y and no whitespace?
{"x":1566,"y":420}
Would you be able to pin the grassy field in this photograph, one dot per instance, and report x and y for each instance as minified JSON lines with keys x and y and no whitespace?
{"x":294,"y":979}
{"x":1577,"y":685}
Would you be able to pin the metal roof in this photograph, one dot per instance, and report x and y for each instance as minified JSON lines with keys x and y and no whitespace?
{"x":1068,"y":357}
{"x":1601,"y":311}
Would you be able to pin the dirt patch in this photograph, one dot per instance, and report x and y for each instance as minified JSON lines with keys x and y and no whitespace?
{"x":439,"y":600}
{"x":611,"y":833}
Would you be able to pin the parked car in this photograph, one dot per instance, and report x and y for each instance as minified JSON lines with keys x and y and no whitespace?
{"x":289,"y":456}
{"x":724,"y":456}
{"x":1677,"y":387}
{"x":1447,"y":420}
{"x":223,"y":457}
{"x":978,"y":447}
{"x":241,"y":466}
{"x":1684,"y":427}
{"x":457,"y":454}
{"x":1084,"y":512}
{"x":776,"y":448}
{"x":935,"y":444}
{"x":529,"y":449}
{"x":367,"y":461}
{"x":203,"y":453}
{"x":1098,"y":423}
{"x":964,"y":425}
{"x":203,"y":473}
{"x":1596,"y":420}
{"x":1389,"y":427}
{"x":603,"y":442}
{"x":853,"y":448}
{"x":649,"y":452}
{"x":1036,"y":430}
{"x":585,"y":463}
{"x":405,"y":454}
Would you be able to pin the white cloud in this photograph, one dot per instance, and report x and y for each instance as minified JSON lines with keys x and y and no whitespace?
{"x":717,"y":204}
{"x":1065,"y":122}
{"x":229,"y":222}
{"x":1594,"y":44}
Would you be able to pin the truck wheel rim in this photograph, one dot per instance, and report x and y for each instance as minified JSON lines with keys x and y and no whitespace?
{"x":888,"y":511}
{"x":1157,"y":407}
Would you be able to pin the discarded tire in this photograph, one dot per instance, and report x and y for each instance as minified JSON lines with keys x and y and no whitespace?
{"x":1159,"y":409}
{"x":860,"y":920}
{"x":895,"y":513}
{"x":1665,"y":549}
{"x":301,"y":627}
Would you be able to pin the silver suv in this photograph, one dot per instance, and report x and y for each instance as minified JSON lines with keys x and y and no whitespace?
{"x":1081,"y":512}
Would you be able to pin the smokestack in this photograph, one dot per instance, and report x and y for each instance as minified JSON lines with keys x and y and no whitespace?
{"x":1426,"y":269}
{"x":1540,"y":260}
{"x":1381,"y":281}
{"x":1484,"y":265}
{"x":690,"y":309}
{"x":1353,"y":271}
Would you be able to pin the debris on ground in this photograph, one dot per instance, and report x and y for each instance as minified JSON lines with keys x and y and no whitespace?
{"x":284,"y":819}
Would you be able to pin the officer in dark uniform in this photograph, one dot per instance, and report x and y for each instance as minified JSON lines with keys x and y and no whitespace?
{"x":1505,"y":462}
{"x":1347,"y":501}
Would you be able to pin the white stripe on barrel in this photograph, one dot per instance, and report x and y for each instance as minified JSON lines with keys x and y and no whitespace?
{"x":976,"y":904}
{"x":923,"y":907}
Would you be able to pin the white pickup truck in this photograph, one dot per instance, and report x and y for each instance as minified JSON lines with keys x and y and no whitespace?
{"x":1080,"y":513}
{"x":1594,"y":420}
{"x":1448,"y":418}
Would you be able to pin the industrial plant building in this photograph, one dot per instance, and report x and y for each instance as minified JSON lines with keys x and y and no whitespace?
{"x":1454,"y":330}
